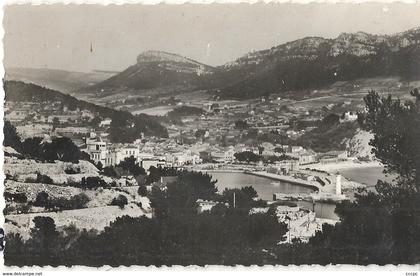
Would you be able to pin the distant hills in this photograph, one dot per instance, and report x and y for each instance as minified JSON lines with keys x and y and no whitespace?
{"x":314,"y":62}
{"x":307,"y":63}
{"x":156,"y":69}
{"x":124,"y":122}
{"x":61,"y":80}
{"x":303,"y":64}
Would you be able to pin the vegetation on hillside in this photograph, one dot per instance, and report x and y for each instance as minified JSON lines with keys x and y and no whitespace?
{"x":60,"y":148}
{"x":329,"y":135}
{"x":125,"y":127}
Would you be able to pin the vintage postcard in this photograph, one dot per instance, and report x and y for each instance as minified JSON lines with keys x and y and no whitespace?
{"x":211,"y":134}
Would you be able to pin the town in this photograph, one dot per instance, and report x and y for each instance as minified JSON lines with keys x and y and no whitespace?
{"x":254,"y":138}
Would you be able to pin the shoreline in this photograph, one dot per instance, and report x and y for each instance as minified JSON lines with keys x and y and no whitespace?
{"x":343,"y":165}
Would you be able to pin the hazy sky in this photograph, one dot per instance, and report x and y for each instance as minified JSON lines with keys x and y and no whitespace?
{"x":60,"y":37}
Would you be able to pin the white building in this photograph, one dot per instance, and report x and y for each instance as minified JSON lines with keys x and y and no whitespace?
{"x":307,"y":158}
{"x":147,"y":163}
{"x":224,"y":156}
{"x":205,"y":205}
{"x":105,"y":122}
{"x":348,"y":116}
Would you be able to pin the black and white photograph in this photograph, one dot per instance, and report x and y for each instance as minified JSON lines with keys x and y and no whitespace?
{"x":218,"y":134}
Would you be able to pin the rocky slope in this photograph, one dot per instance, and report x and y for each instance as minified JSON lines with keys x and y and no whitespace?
{"x":306,"y":63}
{"x":156,"y":69}
{"x":314,"y":62}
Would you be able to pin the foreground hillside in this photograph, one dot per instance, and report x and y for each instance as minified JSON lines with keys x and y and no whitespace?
{"x":34,"y":188}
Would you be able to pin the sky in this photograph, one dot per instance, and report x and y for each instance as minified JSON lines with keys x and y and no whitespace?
{"x":94,"y":37}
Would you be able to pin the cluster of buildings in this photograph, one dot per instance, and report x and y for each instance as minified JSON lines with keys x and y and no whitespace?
{"x":109,"y":154}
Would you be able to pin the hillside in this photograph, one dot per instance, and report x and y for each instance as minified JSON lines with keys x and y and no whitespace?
{"x":314,"y":62}
{"x":328,"y":137}
{"x":156,"y":69}
{"x":307,"y":63}
{"x":16,"y":91}
{"x":23,"y":92}
{"x":65,"y":81}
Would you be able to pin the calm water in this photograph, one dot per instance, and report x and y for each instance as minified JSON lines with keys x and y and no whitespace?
{"x":155,"y":111}
{"x":367,"y":176}
{"x":266,"y":189}
{"x":264,"y":186}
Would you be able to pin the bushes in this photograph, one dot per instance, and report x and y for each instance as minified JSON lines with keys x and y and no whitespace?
{"x":127,"y":166}
{"x":61,"y":148}
{"x":18,"y":197}
{"x":42,"y":178}
{"x":91,"y":182}
{"x":119,"y":201}
{"x":41,"y":199}
{"x":19,"y":209}
{"x":71,"y":170}
{"x":142,"y":191}
{"x":61,"y":203}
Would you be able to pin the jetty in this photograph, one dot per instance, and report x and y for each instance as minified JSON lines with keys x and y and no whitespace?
{"x":286,"y":178}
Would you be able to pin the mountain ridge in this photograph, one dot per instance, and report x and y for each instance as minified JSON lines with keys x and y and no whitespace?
{"x":306,"y":63}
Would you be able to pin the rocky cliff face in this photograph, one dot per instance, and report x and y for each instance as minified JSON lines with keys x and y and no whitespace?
{"x":313,"y":62}
{"x":307,"y":63}
{"x":173,"y":62}
{"x":157,"y":69}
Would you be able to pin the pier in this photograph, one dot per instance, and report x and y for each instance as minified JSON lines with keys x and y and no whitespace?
{"x":285,"y":178}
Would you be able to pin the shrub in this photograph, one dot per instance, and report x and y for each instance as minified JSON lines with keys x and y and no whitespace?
{"x":142,"y":191}
{"x":109,"y":171}
{"x":18,"y":197}
{"x":8,"y":210}
{"x":79,"y":201}
{"x":71,"y":170}
{"x":61,"y":203}
{"x":41,"y":199}
{"x":119,"y":201}
{"x":42,"y":178}
{"x":91,"y":182}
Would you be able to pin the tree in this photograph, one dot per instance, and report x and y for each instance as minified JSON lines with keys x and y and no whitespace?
{"x":331,"y":119}
{"x":99,"y":166}
{"x":279,"y":150}
{"x":41,"y":199}
{"x":42,"y":178}
{"x":55,"y":123}
{"x":11,"y":138}
{"x":396,"y":129}
{"x":379,"y":227}
{"x":120,"y":201}
{"x":241,"y":125}
{"x":43,"y":244}
{"x":244,"y":198}
{"x":62,"y":149}
{"x":200,"y":133}
{"x":247,"y":156}
{"x":110,"y":171}
{"x":142,"y":191}
{"x":131,"y":165}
